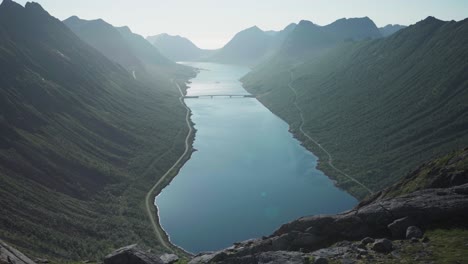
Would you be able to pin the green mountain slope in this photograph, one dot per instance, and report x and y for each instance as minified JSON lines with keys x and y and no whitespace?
{"x":306,"y":41}
{"x":132,"y":51}
{"x":106,"y":39}
{"x":178,"y":48}
{"x":82,"y":141}
{"x":379,"y":107}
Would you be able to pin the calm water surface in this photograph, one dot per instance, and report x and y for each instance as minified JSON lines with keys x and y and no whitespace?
{"x":248,"y":175}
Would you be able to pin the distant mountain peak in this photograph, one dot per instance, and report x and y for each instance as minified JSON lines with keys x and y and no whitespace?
{"x":431,"y":19}
{"x":73,"y":18}
{"x":10,"y":4}
{"x":253,"y":29}
{"x":124,"y":29}
{"x":390,"y":29}
{"x":305,"y":23}
{"x":290,"y":27}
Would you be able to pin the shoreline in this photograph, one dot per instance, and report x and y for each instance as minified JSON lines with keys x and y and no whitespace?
{"x":322,"y":159}
{"x":165,"y":180}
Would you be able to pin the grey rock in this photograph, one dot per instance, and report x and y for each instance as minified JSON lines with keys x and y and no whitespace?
{"x":361,"y":251}
{"x":382,"y":245}
{"x":200,"y":259}
{"x":348,"y":261}
{"x":169,"y":258}
{"x":413,"y":232}
{"x":131,"y":255}
{"x":304,"y":240}
{"x":280,"y":257}
{"x":367,"y":240}
{"x":281,"y":243}
{"x":399,"y":226}
{"x":10,"y":255}
{"x":321,"y":260}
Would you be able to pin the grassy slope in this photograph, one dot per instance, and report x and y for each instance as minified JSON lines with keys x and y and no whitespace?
{"x":443,"y":172}
{"x":78,"y":135}
{"x":379,"y":107}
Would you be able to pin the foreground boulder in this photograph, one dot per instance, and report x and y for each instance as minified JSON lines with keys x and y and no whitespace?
{"x":169,"y":258}
{"x":132,"y":255}
{"x":10,"y":255}
{"x":414,"y":232}
{"x":382,"y":245}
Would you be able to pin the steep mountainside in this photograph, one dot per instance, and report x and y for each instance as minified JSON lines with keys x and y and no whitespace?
{"x":178,"y":48}
{"x":390,"y":29}
{"x":378,"y":107}
{"x":82,"y":141}
{"x":251,"y":46}
{"x":120,"y":44}
{"x":353,"y":29}
{"x":106,"y":39}
{"x":309,"y":39}
{"x":423,"y":224}
{"x":306,"y":41}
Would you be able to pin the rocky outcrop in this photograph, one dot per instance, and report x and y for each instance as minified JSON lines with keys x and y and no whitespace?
{"x":381,"y":218}
{"x":132,"y":255}
{"x":169,"y":258}
{"x":9,"y":255}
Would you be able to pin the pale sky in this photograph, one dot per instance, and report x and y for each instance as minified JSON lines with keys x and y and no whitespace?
{"x":211,"y":23}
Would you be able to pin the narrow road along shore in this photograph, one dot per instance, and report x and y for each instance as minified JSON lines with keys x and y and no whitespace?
{"x":330,"y":158}
{"x":149,"y":201}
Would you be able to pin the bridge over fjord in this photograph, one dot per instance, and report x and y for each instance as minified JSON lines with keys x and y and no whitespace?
{"x":219,"y":95}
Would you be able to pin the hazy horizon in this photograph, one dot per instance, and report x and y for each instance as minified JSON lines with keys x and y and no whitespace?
{"x":211,"y":24}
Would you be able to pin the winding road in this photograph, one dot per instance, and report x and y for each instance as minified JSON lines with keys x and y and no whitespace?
{"x":149,"y":201}
{"x":330,"y":158}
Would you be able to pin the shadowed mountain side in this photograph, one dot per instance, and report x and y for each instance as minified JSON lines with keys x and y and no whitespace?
{"x":178,"y":48}
{"x":390,"y":29}
{"x":251,"y":46}
{"x":379,"y":107}
{"x":81,"y":141}
{"x":132,"y":51}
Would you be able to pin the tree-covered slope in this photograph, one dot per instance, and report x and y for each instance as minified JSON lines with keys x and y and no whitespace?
{"x":81,"y":141}
{"x":379,"y":107}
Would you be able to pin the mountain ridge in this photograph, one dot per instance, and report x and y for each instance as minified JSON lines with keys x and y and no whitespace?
{"x":362,"y":80}
{"x":178,"y":48}
{"x":80,"y":137}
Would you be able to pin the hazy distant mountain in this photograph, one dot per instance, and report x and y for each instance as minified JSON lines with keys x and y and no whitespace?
{"x":251,"y":46}
{"x":380,"y":107}
{"x":353,"y":29}
{"x":106,"y":39}
{"x":178,"y":48}
{"x":309,"y":39}
{"x":144,"y":51}
{"x":121,"y":45}
{"x":390,"y":29}
{"x":77,"y":136}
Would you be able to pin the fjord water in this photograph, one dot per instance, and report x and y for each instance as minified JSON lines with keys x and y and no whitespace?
{"x":248,"y":176}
